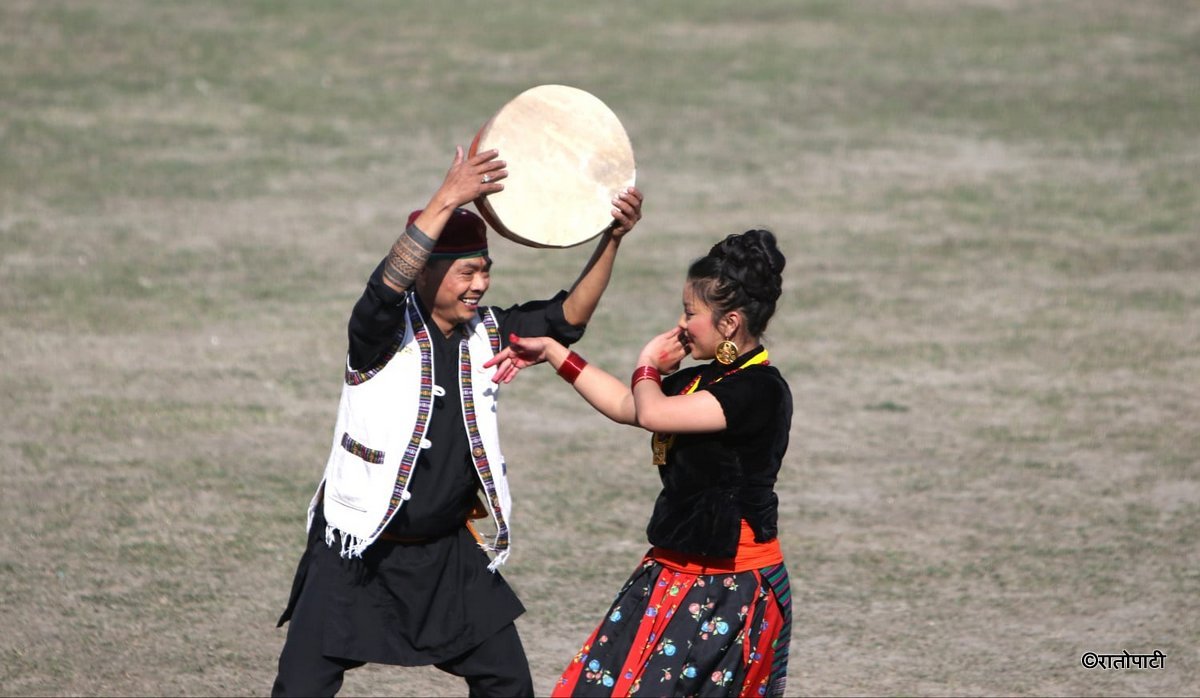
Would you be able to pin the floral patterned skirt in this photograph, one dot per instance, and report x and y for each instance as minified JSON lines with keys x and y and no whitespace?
{"x":679,"y":634}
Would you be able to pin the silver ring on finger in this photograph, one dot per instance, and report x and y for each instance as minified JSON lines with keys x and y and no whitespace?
{"x":487,"y":178}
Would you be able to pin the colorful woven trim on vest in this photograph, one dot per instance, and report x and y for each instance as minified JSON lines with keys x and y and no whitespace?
{"x":370,"y":455}
{"x":359,"y":377}
{"x":478,"y":452}
{"x":425,"y":407}
{"x":493,"y":330}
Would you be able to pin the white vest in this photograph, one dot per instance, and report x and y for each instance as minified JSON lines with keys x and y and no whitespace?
{"x":382,"y":419}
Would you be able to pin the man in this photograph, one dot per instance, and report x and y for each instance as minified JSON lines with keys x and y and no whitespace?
{"x":393,"y":572}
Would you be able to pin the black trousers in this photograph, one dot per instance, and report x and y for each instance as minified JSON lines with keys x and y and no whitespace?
{"x":497,"y":667}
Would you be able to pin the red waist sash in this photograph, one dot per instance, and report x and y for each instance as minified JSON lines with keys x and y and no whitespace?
{"x":751,"y":555}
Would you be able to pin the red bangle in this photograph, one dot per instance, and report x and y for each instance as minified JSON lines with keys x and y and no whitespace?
{"x":644,"y":373}
{"x":571,"y":367}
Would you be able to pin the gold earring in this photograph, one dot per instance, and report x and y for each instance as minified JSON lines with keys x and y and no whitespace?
{"x":727,"y":351}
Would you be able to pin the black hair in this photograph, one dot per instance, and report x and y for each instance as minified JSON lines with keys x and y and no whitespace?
{"x":742,"y":272}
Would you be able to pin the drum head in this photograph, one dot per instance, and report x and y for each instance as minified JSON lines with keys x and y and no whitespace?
{"x":567,"y":156}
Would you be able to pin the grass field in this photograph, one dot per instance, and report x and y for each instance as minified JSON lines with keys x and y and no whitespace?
{"x":991,"y":320}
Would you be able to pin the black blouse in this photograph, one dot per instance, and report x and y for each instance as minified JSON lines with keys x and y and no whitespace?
{"x":712,"y":481}
{"x":444,"y":482}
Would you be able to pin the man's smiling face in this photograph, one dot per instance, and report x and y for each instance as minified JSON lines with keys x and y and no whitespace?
{"x":453,"y":289}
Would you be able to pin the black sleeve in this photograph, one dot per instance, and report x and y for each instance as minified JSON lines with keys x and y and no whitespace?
{"x":538,"y":319}
{"x":749,"y":398}
{"x":377,"y":317}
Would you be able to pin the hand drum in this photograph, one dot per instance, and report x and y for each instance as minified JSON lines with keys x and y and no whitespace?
{"x":567,"y":157}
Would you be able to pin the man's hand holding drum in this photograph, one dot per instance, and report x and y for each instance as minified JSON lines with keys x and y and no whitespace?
{"x":627,"y":211}
{"x":467,"y":179}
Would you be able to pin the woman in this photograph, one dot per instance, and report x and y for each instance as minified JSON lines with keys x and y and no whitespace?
{"x":708,"y":611}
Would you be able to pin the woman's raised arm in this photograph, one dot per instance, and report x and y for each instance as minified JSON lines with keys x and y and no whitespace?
{"x":609,"y":395}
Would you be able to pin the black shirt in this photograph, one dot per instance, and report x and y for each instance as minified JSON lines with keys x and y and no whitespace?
{"x":712,"y":481}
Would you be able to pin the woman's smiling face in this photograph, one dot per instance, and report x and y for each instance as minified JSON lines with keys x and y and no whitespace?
{"x":700,"y":332}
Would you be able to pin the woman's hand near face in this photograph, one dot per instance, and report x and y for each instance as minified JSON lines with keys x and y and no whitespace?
{"x":665,"y":351}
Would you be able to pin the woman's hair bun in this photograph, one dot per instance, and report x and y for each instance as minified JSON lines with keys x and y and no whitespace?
{"x":754,"y":261}
{"x":744,"y":271}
